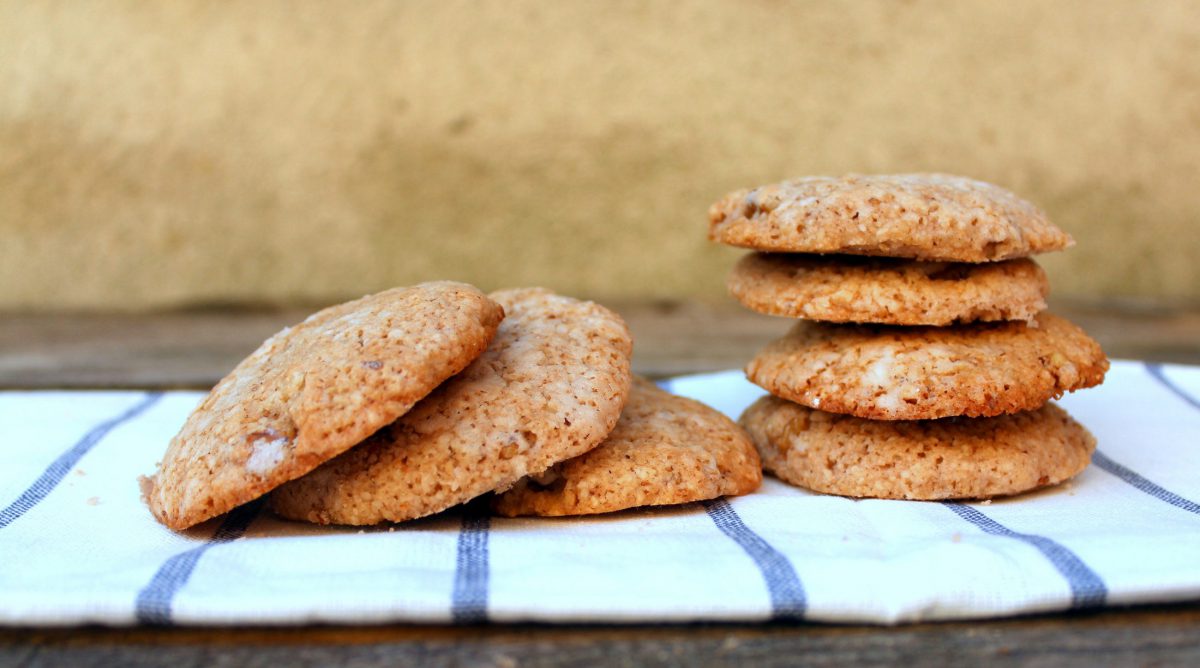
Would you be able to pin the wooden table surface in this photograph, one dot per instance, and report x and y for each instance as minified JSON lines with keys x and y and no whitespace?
{"x":192,"y":349}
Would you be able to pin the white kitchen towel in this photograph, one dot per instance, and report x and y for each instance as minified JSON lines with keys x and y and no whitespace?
{"x":78,"y":546}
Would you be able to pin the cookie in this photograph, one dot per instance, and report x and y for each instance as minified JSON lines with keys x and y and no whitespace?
{"x":314,"y":390}
{"x":917,"y":216}
{"x":917,"y":373}
{"x":952,"y":458}
{"x":848,"y":288}
{"x":550,"y":387}
{"x":664,"y":450}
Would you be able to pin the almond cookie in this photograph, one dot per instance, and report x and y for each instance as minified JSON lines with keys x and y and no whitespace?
{"x":952,"y":458}
{"x":314,"y":390}
{"x":848,"y":288}
{"x":918,"y":373}
{"x":664,"y":450}
{"x":917,"y":216}
{"x":550,"y":387}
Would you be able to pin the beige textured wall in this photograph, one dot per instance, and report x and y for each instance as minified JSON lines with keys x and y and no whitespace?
{"x":163,"y":153}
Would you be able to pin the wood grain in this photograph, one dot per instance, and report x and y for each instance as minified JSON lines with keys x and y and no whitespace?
{"x":1148,"y":636}
{"x":194,"y":349}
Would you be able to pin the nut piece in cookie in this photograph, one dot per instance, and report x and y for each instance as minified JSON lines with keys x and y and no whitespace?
{"x":889,"y":291}
{"x":918,"y":216}
{"x":920,"y":373}
{"x":953,"y":458}
{"x":550,"y":387}
{"x":314,"y":390}
{"x":664,"y":450}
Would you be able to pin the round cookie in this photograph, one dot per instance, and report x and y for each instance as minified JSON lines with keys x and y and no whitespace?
{"x":550,"y":387}
{"x":954,"y":458}
{"x":313,"y":390}
{"x":847,"y":288}
{"x":919,"y":216}
{"x":919,"y":373}
{"x":664,"y":450}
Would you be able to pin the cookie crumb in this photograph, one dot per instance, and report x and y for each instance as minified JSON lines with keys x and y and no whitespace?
{"x":94,"y":501}
{"x":956,"y":537}
{"x":80,"y":472}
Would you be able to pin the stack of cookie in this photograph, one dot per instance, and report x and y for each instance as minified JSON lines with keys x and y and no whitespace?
{"x":405,"y":403}
{"x":923,"y":363}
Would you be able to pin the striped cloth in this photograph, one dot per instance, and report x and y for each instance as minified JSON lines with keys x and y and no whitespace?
{"x":77,"y":545}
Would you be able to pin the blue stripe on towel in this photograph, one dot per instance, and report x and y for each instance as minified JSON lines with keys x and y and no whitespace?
{"x":1087,"y":589}
{"x":1156,"y":371}
{"x":155,"y":600}
{"x":469,"y":600}
{"x":1101,"y":460}
{"x":59,"y":469}
{"x":783,"y":585}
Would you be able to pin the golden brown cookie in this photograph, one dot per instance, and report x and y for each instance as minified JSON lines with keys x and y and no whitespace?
{"x":918,"y":373}
{"x":952,"y":458}
{"x":550,"y":387}
{"x":314,"y":390}
{"x":919,"y":216}
{"x":849,"y":288}
{"x":664,"y":450}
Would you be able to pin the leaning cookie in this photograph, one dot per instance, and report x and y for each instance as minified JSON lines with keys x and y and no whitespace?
{"x":920,"y":373}
{"x":918,"y":216}
{"x":665,"y":450}
{"x":953,"y":458}
{"x":314,"y":390}
{"x":550,"y":387}
{"x":849,"y":288}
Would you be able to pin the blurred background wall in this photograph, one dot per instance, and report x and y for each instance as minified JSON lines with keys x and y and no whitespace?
{"x":158,"y":154}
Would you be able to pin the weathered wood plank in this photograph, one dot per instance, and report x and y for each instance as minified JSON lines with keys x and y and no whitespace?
{"x":196,"y":348}
{"x":1161,"y":635}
